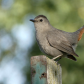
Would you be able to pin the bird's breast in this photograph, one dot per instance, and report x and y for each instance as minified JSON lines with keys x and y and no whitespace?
{"x":42,"y":42}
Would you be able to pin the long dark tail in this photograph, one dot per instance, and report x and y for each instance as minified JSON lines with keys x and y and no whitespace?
{"x":71,"y":57}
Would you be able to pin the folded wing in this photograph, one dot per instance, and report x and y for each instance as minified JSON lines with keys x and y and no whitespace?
{"x":58,"y":41}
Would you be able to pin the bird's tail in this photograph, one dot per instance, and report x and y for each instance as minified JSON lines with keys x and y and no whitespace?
{"x":80,"y":32}
{"x":71,"y":57}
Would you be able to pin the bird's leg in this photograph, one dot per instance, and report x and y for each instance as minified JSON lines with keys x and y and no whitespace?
{"x":56,"y":57}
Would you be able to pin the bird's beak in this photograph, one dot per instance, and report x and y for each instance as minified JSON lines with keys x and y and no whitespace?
{"x":32,"y":20}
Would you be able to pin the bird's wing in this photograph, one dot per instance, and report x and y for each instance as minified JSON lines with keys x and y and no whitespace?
{"x":58,"y":41}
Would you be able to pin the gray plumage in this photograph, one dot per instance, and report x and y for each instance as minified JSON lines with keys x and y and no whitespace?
{"x":55,"y":42}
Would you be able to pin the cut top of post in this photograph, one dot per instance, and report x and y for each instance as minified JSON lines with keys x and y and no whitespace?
{"x":45,"y":71}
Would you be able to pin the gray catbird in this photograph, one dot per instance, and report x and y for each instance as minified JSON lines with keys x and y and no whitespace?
{"x":54,"y":42}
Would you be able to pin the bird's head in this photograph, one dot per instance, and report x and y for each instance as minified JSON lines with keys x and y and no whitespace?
{"x":40,"y":21}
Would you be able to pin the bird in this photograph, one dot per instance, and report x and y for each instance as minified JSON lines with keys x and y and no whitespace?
{"x":55,"y":42}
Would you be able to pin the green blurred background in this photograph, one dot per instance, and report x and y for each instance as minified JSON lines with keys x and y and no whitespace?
{"x":18,"y":43}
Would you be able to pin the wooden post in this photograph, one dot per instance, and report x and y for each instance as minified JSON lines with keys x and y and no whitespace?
{"x":45,"y":71}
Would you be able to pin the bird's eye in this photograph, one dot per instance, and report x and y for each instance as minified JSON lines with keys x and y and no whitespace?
{"x":41,"y":20}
